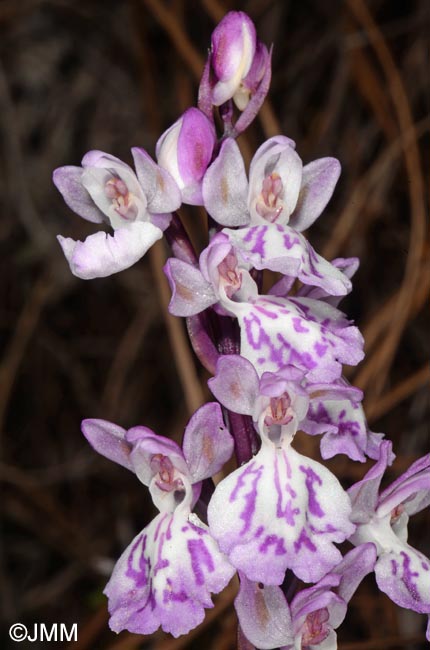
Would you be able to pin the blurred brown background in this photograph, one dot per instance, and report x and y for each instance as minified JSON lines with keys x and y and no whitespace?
{"x":349,"y":80}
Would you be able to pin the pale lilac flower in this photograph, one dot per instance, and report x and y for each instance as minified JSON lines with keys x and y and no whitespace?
{"x":285,"y":400}
{"x":219,"y":280}
{"x":275,"y":332}
{"x":280,"y":511}
{"x":310,"y":621}
{"x":167,"y":574}
{"x":280,"y":189}
{"x":224,"y":266}
{"x":106,"y":190}
{"x":401,"y":571}
{"x":185,"y":151}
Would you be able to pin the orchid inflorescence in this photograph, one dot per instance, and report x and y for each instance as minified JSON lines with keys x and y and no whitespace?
{"x":276,"y":360}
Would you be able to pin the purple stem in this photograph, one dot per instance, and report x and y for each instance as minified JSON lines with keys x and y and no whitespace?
{"x":198,"y":327}
{"x":179,"y":242}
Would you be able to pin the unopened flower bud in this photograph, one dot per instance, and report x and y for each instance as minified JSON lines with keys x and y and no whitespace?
{"x":232,"y":55}
{"x":185,"y":151}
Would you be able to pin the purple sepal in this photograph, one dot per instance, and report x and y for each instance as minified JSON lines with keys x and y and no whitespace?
{"x":356,"y":564}
{"x":225,"y":187}
{"x":166,"y":576}
{"x":280,"y":248}
{"x":101,"y":254}
{"x":108,"y":439}
{"x":207,"y":443}
{"x":185,"y":151}
{"x":204,"y":102}
{"x":191,"y":293}
{"x":280,"y":510}
{"x":235,"y":384}
{"x":257,"y":98}
{"x":318,"y":182}
{"x":309,"y":334}
{"x":68,"y":180}
{"x":160,"y":189}
{"x":263,"y":614}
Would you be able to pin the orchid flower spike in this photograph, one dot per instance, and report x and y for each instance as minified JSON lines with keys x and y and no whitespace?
{"x":185,"y":151}
{"x":137,"y":206}
{"x":166,"y":575}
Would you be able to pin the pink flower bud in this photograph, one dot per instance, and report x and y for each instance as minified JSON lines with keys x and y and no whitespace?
{"x":232,"y":54}
{"x":185,"y":151}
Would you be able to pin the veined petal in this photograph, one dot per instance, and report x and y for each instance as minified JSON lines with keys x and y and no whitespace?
{"x":318,"y":182}
{"x":263,"y":614}
{"x":160,"y":189}
{"x":191,"y":292}
{"x":262,"y":535}
{"x":68,"y":180}
{"x":101,"y":254}
{"x":166,"y":577}
{"x":207,"y":444}
{"x":280,"y":248}
{"x":235,"y":384}
{"x":404,"y":575}
{"x":314,"y":336}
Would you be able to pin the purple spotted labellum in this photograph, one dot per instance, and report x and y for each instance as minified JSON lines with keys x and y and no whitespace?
{"x":401,"y":571}
{"x":280,"y":511}
{"x":309,"y":334}
{"x":167,"y":574}
{"x":137,"y":206}
{"x":280,"y":189}
{"x":185,"y":151}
